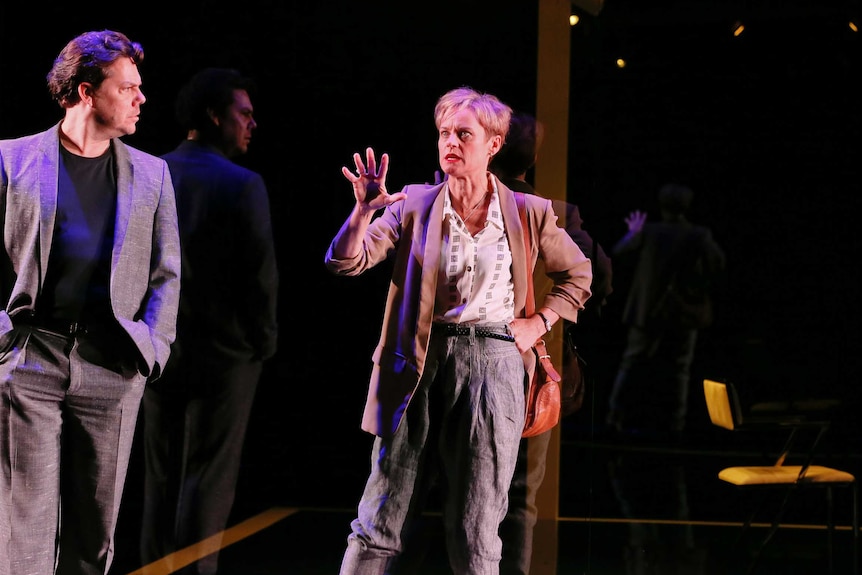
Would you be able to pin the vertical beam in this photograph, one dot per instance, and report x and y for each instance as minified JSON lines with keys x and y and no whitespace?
{"x":552,"y":97}
{"x":550,"y":178}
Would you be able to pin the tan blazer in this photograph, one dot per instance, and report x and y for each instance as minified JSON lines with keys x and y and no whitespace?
{"x":412,"y":231}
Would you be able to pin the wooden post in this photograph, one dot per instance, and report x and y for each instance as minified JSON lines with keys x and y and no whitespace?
{"x":552,"y":110}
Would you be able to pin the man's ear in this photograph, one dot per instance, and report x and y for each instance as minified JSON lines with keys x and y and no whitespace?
{"x":85,"y":92}
{"x":213,"y":116}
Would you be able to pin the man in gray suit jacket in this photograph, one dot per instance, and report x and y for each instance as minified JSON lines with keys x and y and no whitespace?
{"x":89,"y":281}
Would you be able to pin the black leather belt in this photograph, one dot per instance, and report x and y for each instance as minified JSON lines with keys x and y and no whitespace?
{"x":61,"y":327}
{"x":451,"y":329}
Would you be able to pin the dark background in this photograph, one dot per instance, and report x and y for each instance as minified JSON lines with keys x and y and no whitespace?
{"x":765,"y":128}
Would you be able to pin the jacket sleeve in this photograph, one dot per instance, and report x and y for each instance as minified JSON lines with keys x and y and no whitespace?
{"x":160,"y":305}
{"x":381,"y":238}
{"x":565,"y":264}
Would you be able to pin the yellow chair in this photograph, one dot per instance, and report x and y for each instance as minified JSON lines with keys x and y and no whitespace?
{"x":723,"y":405}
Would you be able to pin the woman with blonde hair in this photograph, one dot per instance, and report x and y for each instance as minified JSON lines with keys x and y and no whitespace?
{"x":446,"y":397}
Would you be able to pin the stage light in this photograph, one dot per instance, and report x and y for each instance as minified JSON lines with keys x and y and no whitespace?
{"x":574,"y":19}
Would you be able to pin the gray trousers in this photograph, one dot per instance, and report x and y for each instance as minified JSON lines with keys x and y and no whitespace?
{"x":66,"y":430}
{"x":462,"y":428}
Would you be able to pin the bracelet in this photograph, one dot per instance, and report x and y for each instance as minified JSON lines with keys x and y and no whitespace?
{"x":548,"y":325}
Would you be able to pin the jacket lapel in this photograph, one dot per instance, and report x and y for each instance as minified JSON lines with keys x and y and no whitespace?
{"x":49,"y":165}
{"x":125,"y":181}
{"x":515,"y":234}
{"x":431,"y":263}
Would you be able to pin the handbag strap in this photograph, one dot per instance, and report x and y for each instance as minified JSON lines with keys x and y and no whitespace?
{"x":530,"y":304}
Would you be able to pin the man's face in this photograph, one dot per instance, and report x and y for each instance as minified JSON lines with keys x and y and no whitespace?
{"x":117,"y":102}
{"x":237,"y":124}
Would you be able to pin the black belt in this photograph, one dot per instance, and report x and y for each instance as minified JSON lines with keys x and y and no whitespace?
{"x":58,"y":326}
{"x":459,"y":329}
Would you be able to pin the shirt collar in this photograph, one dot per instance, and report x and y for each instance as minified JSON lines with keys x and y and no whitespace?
{"x":495,"y":215}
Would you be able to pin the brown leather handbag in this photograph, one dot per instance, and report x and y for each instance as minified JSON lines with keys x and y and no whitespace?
{"x":543,"y":394}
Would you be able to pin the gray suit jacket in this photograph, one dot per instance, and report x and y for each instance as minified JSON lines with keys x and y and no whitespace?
{"x":145,"y":268}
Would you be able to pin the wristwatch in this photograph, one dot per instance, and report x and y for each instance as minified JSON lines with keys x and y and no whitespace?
{"x":548,"y":325}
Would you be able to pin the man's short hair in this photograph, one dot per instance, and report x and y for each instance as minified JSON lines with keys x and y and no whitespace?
{"x":675,"y":198}
{"x":518,"y":153}
{"x":209,"y":89}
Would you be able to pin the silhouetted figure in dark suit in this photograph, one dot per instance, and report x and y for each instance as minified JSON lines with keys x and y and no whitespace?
{"x":196,"y":417}
{"x":511,"y":165}
{"x":651,"y":387}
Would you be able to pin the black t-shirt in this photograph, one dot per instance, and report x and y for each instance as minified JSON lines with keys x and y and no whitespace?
{"x":77,"y":285}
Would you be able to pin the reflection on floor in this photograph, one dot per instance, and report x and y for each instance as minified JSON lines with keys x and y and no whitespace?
{"x":627,"y":506}
{"x":639,"y":503}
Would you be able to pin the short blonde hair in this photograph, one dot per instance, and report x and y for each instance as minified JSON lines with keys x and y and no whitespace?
{"x":493,"y":115}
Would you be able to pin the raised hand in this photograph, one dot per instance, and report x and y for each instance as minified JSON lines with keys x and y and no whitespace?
{"x":636,"y":221}
{"x":369,"y":182}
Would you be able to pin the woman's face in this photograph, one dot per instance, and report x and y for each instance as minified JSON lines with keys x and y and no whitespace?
{"x":463,"y":145}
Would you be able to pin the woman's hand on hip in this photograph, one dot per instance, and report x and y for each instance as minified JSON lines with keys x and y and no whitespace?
{"x":527,"y":331}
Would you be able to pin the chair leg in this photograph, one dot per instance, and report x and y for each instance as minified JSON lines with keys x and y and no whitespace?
{"x":772,"y":530}
{"x":748,"y":521}
{"x":855,"y":544}
{"x":830,"y":529}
